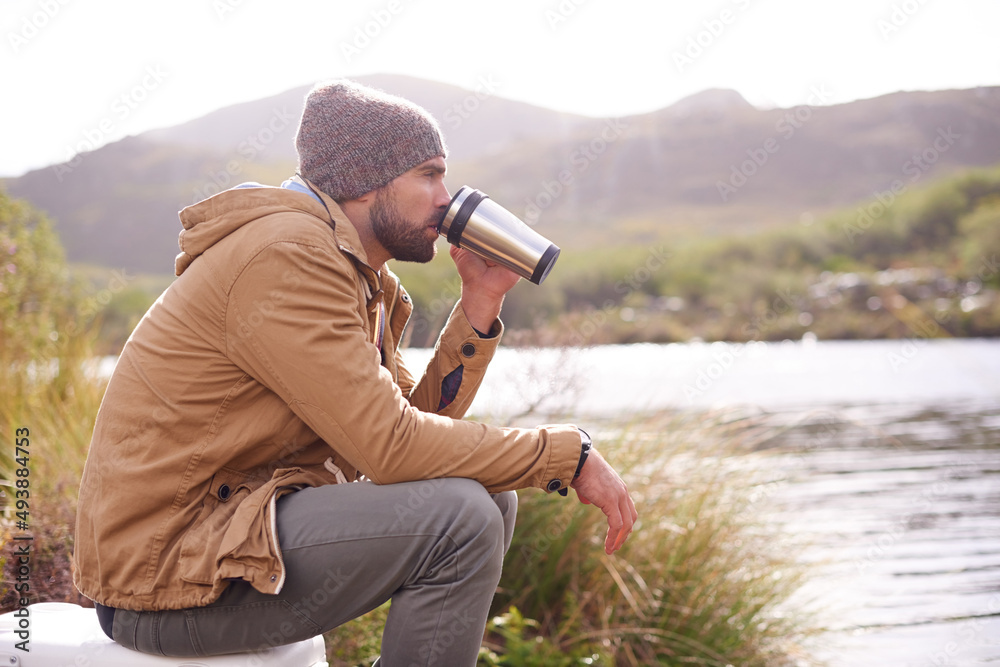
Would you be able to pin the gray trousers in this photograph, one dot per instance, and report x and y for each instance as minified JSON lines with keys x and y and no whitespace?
{"x":434,"y":547}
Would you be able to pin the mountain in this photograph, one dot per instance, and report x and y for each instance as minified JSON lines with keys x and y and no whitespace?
{"x":711,"y":160}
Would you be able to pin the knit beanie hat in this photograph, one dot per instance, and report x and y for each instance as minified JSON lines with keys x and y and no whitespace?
{"x":354,"y":139}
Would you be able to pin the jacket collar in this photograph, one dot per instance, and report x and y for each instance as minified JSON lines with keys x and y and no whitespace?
{"x":208,"y":221}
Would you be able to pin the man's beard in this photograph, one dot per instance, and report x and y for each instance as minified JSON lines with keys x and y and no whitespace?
{"x":403,"y":240}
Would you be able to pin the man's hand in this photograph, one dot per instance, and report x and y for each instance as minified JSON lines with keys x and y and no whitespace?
{"x":600,"y":485}
{"x":484,"y":285}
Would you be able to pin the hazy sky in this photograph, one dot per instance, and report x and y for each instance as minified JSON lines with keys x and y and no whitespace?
{"x":79,"y":73}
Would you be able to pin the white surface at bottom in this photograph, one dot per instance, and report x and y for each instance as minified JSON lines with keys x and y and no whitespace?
{"x":66,"y":634}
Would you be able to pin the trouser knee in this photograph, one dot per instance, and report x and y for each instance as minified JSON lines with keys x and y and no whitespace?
{"x":478,"y":515}
{"x":507,"y":503}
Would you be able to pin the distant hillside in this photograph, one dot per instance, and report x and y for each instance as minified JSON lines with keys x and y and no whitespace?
{"x":711,"y":159}
{"x":683,"y":163}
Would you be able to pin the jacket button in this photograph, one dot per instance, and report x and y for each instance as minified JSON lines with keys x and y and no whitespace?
{"x":405,"y":297}
{"x":554,"y":485}
{"x":224,"y":492}
{"x":468,"y":350}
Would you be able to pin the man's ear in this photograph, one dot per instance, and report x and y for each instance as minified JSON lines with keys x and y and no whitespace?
{"x":357,"y":209}
{"x":366,"y":198}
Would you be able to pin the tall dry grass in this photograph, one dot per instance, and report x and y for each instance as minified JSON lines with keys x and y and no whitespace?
{"x":704,"y":578}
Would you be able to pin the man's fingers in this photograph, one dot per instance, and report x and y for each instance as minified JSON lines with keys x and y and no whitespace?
{"x":620,"y":524}
{"x":630,"y":510}
{"x":610,"y":541}
{"x":616,"y":525}
{"x":623,"y":535}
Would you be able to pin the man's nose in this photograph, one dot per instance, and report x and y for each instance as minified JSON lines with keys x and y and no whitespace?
{"x":442,"y":197}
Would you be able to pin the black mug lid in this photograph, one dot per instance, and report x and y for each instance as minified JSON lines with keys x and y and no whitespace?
{"x":465,"y":212}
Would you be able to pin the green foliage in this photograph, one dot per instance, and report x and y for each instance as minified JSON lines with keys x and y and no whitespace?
{"x":357,"y":642}
{"x":947,"y":231}
{"x":36,"y":296}
{"x":980,"y":241}
{"x":523,"y":647}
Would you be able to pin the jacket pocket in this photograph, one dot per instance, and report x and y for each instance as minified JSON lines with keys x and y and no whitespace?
{"x":199,"y":552}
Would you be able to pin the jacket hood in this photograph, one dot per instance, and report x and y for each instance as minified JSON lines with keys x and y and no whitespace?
{"x":209,"y":221}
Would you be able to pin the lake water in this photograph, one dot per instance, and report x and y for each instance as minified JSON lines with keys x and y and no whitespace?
{"x":886,"y":463}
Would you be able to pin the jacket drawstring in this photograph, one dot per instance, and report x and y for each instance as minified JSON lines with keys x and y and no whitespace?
{"x":332,"y":467}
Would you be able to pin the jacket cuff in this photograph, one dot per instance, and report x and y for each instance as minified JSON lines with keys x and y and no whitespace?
{"x":565,"y":444}
{"x":459,"y":343}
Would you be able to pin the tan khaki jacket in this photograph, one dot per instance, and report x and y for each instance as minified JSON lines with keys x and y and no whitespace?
{"x":255,"y":374}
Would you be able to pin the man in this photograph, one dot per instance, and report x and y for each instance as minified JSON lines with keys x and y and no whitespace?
{"x":264,"y":468}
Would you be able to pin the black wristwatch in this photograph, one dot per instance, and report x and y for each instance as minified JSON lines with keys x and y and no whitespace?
{"x":585,"y":446}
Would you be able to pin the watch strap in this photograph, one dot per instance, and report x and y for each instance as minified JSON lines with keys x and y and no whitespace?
{"x":586,"y":444}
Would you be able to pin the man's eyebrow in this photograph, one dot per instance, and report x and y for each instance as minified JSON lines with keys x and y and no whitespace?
{"x":435,"y":169}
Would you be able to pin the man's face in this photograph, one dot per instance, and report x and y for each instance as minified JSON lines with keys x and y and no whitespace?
{"x":406,"y":213}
